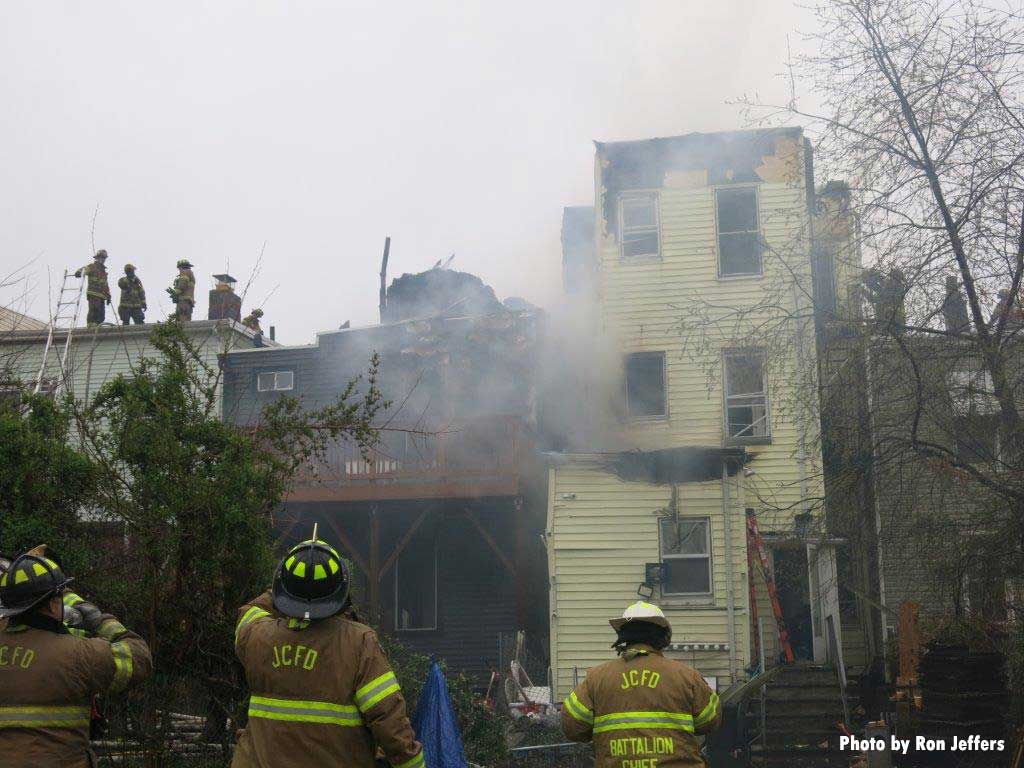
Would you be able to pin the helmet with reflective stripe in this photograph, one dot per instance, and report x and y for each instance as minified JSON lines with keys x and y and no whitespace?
{"x":27,"y":582}
{"x":311,"y":581}
{"x":642,"y":611}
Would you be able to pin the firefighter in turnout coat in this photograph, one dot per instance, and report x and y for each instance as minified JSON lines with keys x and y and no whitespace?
{"x":322,"y":691}
{"x":97,"y":289}
{"x":642,"y":710}
{"x":48,"y":673}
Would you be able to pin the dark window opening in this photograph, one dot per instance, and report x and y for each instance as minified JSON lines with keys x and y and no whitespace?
{"x":739,"y":235}
{"x":976,"y":439}
{"x":645,"y":384}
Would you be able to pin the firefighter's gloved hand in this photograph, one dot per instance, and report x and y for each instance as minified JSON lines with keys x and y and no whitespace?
{"x":92,"y":617}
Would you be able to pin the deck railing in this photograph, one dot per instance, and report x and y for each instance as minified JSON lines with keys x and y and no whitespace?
{"x":459,"y":450}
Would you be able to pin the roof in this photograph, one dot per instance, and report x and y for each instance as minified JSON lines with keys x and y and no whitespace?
{"x":696,"y":139}
{"x":39,"y":334}
{"x":15,"y":321}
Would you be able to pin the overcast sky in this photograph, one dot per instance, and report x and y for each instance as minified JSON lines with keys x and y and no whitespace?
{"x":203,"y":130}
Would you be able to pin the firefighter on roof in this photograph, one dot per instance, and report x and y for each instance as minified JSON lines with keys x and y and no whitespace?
{"x":183,"y":291}
{"x":49,"y":674}
{"x":97,"y":290}
{"x":322,"y":690}
{"x":133,"y":297}
{"x":642,"y":710}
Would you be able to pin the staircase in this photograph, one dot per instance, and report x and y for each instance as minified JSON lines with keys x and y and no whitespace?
{"x":803,"y":707}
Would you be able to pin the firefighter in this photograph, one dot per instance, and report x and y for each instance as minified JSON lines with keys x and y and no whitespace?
{"x":133,"y":297}
{"x":183,"y":292}
{"x":642,"y":710}
{"x":97,"y":289}
{"x":322,"y":690}
{"x":48,"y":675}
{"x":252,"y":320}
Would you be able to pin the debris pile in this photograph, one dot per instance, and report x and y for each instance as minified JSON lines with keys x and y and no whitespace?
{"x":964,"y":693}
{"x":438,"y":293}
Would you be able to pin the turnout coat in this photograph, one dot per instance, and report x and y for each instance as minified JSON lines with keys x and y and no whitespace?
{"x":642,"y":711}
{"x":323,"y":693}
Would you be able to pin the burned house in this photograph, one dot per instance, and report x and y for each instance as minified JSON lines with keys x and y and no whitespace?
{"x":707,"y":436}
{"x":442,"y":519}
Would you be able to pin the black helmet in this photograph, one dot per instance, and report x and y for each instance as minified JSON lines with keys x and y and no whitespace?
{"x":311,"y":581}
{"x":28,"y":581}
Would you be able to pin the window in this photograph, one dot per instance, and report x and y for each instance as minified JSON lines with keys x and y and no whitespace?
{"x":275,"y":381}
{"x":638,"y":224}
{"x":739,"y":236}
{"x":976,"y":438}
{"x":645,"y":385}
{"x":686,"y":551}
{"x":746,"y":397}
{"x":971,"y":392}
{"x":416,"y":584}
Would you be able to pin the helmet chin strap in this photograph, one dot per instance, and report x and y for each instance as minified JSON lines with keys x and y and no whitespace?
{"x":312,"y":546}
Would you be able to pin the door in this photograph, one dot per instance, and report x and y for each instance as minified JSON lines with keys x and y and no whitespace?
{"x":824,"y":588}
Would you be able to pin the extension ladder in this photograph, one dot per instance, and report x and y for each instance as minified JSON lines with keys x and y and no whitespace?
{"x":69,"y":301}
{"x":754,"y":540}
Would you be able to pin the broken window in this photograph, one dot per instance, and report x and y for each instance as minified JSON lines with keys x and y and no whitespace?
{"x":739,"y":236}
{"x":645,"y":385}
{"x":686,"y":551}
{"x":275,"y":381}
{"x":416,"y":584}
{"x":971,"y":392}
{"x":638,"y":224}
{"x":746,"y":396}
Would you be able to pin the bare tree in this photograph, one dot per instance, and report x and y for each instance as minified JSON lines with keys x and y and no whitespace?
{"x":921,"y":136}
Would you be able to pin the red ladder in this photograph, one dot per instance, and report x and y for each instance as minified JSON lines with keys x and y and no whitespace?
{"x":754,"y":540}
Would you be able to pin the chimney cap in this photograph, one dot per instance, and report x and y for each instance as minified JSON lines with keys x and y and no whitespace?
{"x":225,"y":279}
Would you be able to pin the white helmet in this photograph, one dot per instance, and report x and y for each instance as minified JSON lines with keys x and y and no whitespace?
{"x":641,"y":611}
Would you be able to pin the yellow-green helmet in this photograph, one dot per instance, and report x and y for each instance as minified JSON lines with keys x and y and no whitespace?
{"x":311,"y":582}
{"x":27,"y":582}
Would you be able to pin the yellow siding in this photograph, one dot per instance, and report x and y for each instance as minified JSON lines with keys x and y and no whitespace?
{"x":598,"y":543}
{"x":643,"y":304}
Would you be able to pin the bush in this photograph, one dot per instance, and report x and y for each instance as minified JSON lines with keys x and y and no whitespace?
{"x":484,"y":732}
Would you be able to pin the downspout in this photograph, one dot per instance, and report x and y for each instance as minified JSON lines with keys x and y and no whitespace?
{"x":730,"y":593}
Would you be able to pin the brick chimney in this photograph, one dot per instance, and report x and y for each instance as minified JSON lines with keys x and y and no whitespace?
{"x":225,"y":304}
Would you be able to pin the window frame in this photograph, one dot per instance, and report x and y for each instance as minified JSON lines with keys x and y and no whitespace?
{"x":757,"y":231}
{"x":746,"y":439}
{"x":701,"y":597}
{"x":967,"y":398}
{"x":655,"y":197}
{"x":437,"y":604}
{"x":275,"y":374}
{"x":663,"y":416}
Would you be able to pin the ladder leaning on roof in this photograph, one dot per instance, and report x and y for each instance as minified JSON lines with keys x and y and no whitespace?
{"x":69,"y":301}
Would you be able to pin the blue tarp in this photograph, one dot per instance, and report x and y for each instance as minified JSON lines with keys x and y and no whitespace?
{"x":436,"y":725}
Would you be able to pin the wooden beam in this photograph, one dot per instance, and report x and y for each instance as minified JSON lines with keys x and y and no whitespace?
{"x":347,"y":545}
{"x":403,"y":543}
{"x":374,"y":571}
{"x":490,"y":541}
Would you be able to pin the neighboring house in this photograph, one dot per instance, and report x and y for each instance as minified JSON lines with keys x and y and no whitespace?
{"x":442,"y":520}
{"x":708,"y":427}
{"x":10,"y":320}
{"x":96,"y":355}
{"x":938,"y":542}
